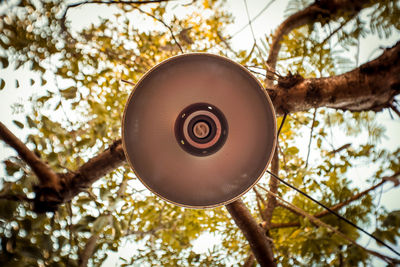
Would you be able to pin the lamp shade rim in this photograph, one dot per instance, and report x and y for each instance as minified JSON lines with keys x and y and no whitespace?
{"x":272,"y":122}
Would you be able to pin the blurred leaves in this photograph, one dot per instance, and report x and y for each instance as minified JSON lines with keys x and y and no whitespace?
{"x":80,"y":114}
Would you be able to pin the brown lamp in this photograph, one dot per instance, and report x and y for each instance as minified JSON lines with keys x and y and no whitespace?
{"x":199,"y":130}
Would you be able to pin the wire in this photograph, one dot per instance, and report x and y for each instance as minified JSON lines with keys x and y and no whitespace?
{"x":253,"y":19}
{"x":333,"y":212}
{"x":280,"y":127}
{"x":328,"y":226}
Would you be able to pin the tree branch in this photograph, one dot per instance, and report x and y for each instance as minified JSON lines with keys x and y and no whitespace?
{"x":318,"y":222}
{"x":47,"y":177}
{"x":311,"y":135}
{"x":254,"y":234}
{"x":372,"y":86}
{"x":97,"y":167}
{"x":88,"y":250}
{"x":393,"y":107}
{"x":249,"y":261}
{"x":319,"y":11}
{"x":338,"y":206}
{"x":273,"y":186}
{"x":165,"y":24}
{"x":64,"y":16}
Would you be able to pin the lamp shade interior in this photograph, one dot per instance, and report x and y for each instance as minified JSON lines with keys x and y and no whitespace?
{"x":199,"y":130}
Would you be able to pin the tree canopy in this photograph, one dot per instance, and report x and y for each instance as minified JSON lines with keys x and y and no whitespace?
{"x":68,"y":197}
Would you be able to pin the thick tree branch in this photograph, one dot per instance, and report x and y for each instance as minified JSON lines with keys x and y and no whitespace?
{"x":340,"y":205}
{"x":97,"y":167}
{"x":319,"y":11}
{"x":47,"y":177}
{"x":273,"y":186}
{"x":254,"y":234}
{"x":372,"y":86}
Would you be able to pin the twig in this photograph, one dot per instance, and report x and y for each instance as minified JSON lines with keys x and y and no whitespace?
{"x":336,"y":30}
{"x":338,"y":206}
{"x":345,"y":146}
{"x":16,"y":198}
{"x":163,"y":23}
{"x":249,"y":261}
{"x":311,"y":14}
{"x":321,"y":223}
{"x":88,"y":250}
{"x":259,"y":199}
{"x":252,"y":33}
{"x":128,"y":82}
{"x":253,"y":19}
{"x":46,"y":176}
{"x":394,"y":108}
{"x":273,"y":186}
{"x":225,"y":42}
{"x":311,"y":134}
{"x":109,"y":3}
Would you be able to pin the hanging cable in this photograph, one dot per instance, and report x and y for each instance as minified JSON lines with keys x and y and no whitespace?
{"x":333,"y":212}
{"x":253,"y":19}
{"x":333,"y":229}
{"x":283,"y":121}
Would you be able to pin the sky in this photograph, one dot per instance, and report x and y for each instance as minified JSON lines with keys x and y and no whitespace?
{"x":265,"y":24}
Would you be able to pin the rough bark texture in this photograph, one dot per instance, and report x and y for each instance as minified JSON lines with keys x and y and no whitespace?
{"x":372,"y":86}
{"x":97,"y":167}
{"x":254,"y":234}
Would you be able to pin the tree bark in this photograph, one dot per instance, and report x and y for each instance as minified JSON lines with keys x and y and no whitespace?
{"x":254,"y":234}
{"x":273,"y":186}
{"x":47,"y":177}
{"x":88,"y":250}
{"x":97,"y":167}
{"x":372,"y":86}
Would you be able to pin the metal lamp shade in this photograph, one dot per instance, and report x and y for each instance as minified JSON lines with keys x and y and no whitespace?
{"x":199,"y":130}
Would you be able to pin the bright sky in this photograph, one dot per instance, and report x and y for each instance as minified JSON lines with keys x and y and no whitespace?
{"x":264,"y":24}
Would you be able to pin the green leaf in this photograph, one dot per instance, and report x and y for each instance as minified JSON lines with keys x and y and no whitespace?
{"x":100,"y":223}
{"x":11,"y":167}
{"x":4,"y":62}
{"x":69,"y":93}
{"x":117,"y":228}
{"x":7,"y":208}
{"x":19,"y":124}
{"x":31,"y":123}
{"x":2,"y":84}
{"x":31,"y":252}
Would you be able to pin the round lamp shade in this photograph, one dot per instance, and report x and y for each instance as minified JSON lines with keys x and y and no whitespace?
{"x":199,"y":130}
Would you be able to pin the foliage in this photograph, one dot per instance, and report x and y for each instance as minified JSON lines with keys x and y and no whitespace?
{"x":80,"y":116}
